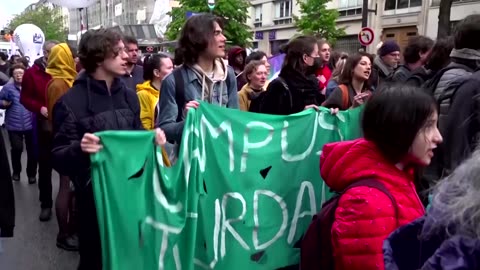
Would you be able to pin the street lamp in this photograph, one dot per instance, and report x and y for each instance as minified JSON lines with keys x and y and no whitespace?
{"x":211,"y":4}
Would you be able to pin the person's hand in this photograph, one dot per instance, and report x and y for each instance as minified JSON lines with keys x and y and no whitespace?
{"x":360,"y":99}
{"x":334,"y":111}
{"x":160,"y":138}
{"x":90,"y":143}
{"x":311,"y":106}
{"x":192,"y":104}
{"x":44,"y":112}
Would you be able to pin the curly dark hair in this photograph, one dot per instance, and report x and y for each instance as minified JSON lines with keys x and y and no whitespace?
{"x":96,"y":46}
{"x":195,"y":37}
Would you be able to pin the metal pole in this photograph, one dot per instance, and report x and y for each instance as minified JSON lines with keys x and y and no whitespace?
{"x":81,"y":21}
{"x":365,"y":18}
{"x":86,"y":18}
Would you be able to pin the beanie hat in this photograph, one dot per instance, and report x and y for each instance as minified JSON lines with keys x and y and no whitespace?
{"x":388,"y":47}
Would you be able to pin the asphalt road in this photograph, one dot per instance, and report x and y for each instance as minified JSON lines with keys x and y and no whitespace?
{"x":33,"y":246}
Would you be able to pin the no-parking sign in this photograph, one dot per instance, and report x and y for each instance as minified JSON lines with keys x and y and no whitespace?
{"x":366,"y":36}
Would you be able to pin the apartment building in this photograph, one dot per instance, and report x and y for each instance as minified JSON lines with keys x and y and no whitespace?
{"x":132,"y":17}
{"x":272,"y":22}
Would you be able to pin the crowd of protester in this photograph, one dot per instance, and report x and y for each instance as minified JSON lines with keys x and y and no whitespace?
{"x":420,"y":128}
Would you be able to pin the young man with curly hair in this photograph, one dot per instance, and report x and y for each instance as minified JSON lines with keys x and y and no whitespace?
{"x":99,"y":100}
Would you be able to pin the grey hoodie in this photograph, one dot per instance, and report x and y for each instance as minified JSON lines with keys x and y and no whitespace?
{"x":211,"y":88}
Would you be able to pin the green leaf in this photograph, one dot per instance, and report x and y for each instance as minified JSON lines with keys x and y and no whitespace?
{"x":235,"y":13}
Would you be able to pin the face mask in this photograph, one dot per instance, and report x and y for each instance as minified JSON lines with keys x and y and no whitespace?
{"x":317,"y":63}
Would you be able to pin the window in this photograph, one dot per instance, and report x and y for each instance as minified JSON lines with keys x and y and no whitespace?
{"x":283,"y":9}
{"x":350,"y":4}
{"x":350,"y":7}
{"x":348,"y":44}
{"x":283,"y":12}
{"x":399,"y":4}
{"x":258,"y":15}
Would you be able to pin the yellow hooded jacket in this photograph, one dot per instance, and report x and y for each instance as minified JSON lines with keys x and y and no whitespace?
{"x":61,"y":67}
{"x":148,"y":98}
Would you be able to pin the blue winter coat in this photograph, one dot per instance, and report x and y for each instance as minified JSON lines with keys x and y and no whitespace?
{"x":17,"y":118}
{"x":406,"y":249}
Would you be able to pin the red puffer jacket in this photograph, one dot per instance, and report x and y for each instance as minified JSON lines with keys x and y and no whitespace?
{"x":365,"y":216}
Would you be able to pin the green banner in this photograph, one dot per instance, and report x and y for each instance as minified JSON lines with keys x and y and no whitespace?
{"x":240,"y":196}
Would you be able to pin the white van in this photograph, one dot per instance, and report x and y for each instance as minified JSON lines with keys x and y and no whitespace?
{"x":6,"y":47}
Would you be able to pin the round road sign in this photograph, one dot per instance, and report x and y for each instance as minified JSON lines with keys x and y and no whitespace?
{"x":366,"y":36}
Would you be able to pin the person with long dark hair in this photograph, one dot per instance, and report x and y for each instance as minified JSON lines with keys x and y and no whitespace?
{"x":400,"y":133}
{"x":296,"y":87}
{"x":203,"y":75}
{"x":354,"y":88}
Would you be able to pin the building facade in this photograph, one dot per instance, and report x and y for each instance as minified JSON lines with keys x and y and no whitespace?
{"x":272,"y":21}
{"x":109,"y":13}
{"x":460,"y":10}
{"x":131,"y":17}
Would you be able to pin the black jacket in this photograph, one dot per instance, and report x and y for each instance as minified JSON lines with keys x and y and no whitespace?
{"x":7,"y":200}
{"x":88,"y":108}
{"x":303,"y":91}
{"x":132,"y":79}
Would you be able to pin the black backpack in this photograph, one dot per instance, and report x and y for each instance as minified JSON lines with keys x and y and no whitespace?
{"x":180,"y":89}
{"x":419,"y":77}
{"x":431,"y":85}
{"x":316,"y":252}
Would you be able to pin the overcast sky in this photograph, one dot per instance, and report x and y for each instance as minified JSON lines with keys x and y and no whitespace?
{"x":8,"y":9}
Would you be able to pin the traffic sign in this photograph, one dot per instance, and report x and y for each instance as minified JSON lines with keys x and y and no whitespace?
{"x":366,"y":36}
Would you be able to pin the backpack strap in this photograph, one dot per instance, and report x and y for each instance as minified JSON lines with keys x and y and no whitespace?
{"x":372,"y":183}
{"x":179,"y":91}
{"x":345,"y":95}
{"x":227,"y":80}
{"x":285,"y":85}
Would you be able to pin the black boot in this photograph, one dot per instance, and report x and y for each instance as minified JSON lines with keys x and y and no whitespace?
{"x":45,"y":214}
{"x":69,"y":243}
{"x":32,"y":180}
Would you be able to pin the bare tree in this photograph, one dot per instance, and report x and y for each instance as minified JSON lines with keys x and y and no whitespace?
{"x":444,"y":18}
